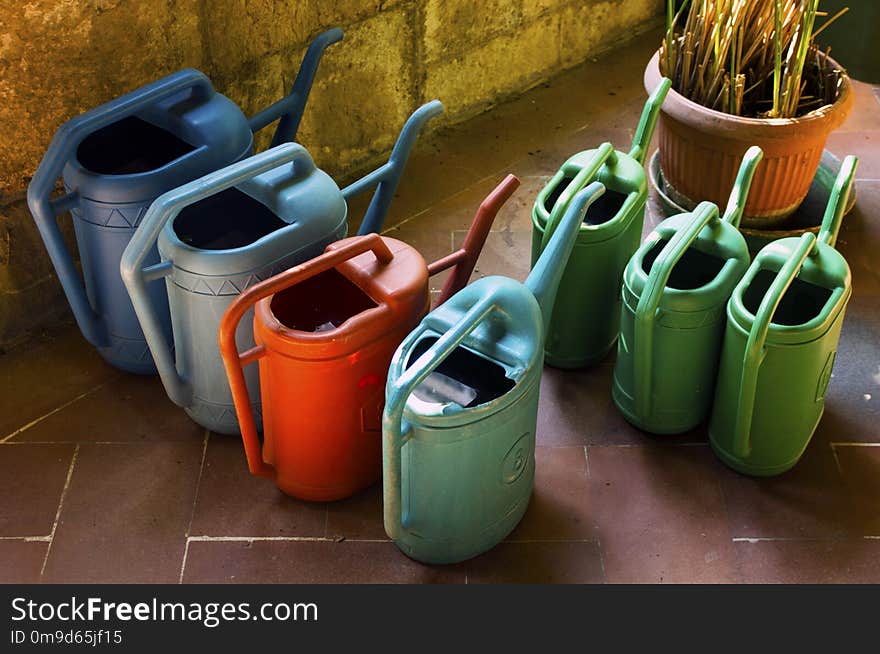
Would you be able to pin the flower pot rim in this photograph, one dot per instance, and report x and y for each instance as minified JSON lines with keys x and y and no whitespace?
{"x":699,"y":116}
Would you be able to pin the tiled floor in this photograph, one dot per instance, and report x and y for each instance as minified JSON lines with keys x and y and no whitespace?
{"x":103,"y":479}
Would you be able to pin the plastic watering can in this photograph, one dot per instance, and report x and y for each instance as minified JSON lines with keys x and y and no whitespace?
{"x":783,"y":325}
{"x":675,"y":289}
{"x":119,"y":157}
{"x":458,"y":434}
{"x":325,"y":332}
{"x":227,"y":231}
{"x":586,"y":316}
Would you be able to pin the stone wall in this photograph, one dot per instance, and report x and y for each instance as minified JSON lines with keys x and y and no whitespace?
{"x":59,"y":58}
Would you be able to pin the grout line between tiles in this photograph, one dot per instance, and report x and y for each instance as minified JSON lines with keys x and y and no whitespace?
{"x":644,"y":444}
{"x":836,"y":459}
{"x":51,"y":536}
{"x":183,"y":561}
{"x":192,"y":513}
{"x":28,"y":539}
{"x":260,"y":539}
{"x":467,"y":188}
{"x":591,"y":541}
{"x":598,"y":541}
{"x":322,"y":539}
{"x":781,"y":539}
{"x":36,"y":421}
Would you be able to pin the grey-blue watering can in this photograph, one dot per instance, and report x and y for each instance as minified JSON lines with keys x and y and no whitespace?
{"x":223,"y":233}
{"x":119,"y":157}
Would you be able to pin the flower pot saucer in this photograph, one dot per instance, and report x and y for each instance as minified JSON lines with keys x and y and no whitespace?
{"x":807,"y":218}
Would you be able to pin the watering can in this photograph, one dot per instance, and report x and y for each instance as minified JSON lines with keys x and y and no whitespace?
{"x":325,"y":332}
{"x":586,"y":316}
{"x":227,"y":231}
{"x":675,"y":289}
{"x":119,"y":157}
{"x":783,"y":325}
{"x":458,"y":434}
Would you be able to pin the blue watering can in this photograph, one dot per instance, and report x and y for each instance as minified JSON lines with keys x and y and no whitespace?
{"x":461,"y":408}
{"x":227,"y":231}
{"x":119,"y":157}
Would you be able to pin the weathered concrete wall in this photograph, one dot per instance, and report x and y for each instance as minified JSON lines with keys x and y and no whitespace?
{"x":59,"y":58}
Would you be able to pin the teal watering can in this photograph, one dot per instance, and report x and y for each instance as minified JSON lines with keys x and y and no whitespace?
{"x":586,"y":315}
{"x":675,"y":289}
{"x":783,"y":325}
{"x":461,"y":407}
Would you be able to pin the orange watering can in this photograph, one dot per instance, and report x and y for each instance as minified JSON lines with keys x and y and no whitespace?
{"x":325,"y":332}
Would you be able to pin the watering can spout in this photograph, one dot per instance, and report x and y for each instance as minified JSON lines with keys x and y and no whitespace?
{"x":648,"y":120}
{"x":387,"y":177}
{"x":837,"y":203}
{"x":544,"y":279}
{"x":290,"y":108}
{"x":740,"y":192}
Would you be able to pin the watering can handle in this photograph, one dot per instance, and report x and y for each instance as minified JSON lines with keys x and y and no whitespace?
{"x":63,"y":149}
{"x":386,"y":177}
{"x":648,"y":120}
{"x":836,"y":206}
{"x":465,"y":258}
{"x":754,"y":352}
{"x":165,"y":208}
{"x":290,"y":108}
{"x":736,"y":204}
{"x":235,"y":362}
{"x":602,"y":154}
{"x":399,"y":391}
{"x":646,"y":310}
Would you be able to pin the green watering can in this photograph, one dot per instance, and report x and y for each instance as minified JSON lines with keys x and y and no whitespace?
{"x":783,"y":324}
{"x":586,"y":316}
{"x":674,"y":292}
{"x":461,"y":407}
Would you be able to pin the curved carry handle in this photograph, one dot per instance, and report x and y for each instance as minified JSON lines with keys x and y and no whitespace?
{"x":386,"y":177}
{"x":604,"y":152}
{"x":235,"y":362}
{"x":165,"y":208}
{"x":754,"y":352}
{"x":395,"y":402}
{"x":652,"y":293}
{"x":836,"y":206}
{"x":61,"y":150}
{"x":291,"y":107}
{"x":648,"y":120}
{"x":740,"y":191}
{"x":465,"y":258}
{"x":547,"y":272}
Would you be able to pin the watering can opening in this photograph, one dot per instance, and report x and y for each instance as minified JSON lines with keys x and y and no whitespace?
{"x":802,"y":302}
{"x":130,"y":146}
{"x":693,"y":270}
{"x":320,"y":303}
{"x":227,"y":220}
{"x":603,"y":209}
{"x":465,"y":377}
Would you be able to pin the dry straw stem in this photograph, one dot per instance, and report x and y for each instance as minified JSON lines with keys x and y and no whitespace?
{"x":749,"y":57}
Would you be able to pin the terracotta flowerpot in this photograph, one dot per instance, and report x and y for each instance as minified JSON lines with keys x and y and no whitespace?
{"x":701,"y":149}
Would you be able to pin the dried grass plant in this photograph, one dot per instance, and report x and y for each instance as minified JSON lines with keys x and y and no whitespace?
{"x":752,"y":58}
